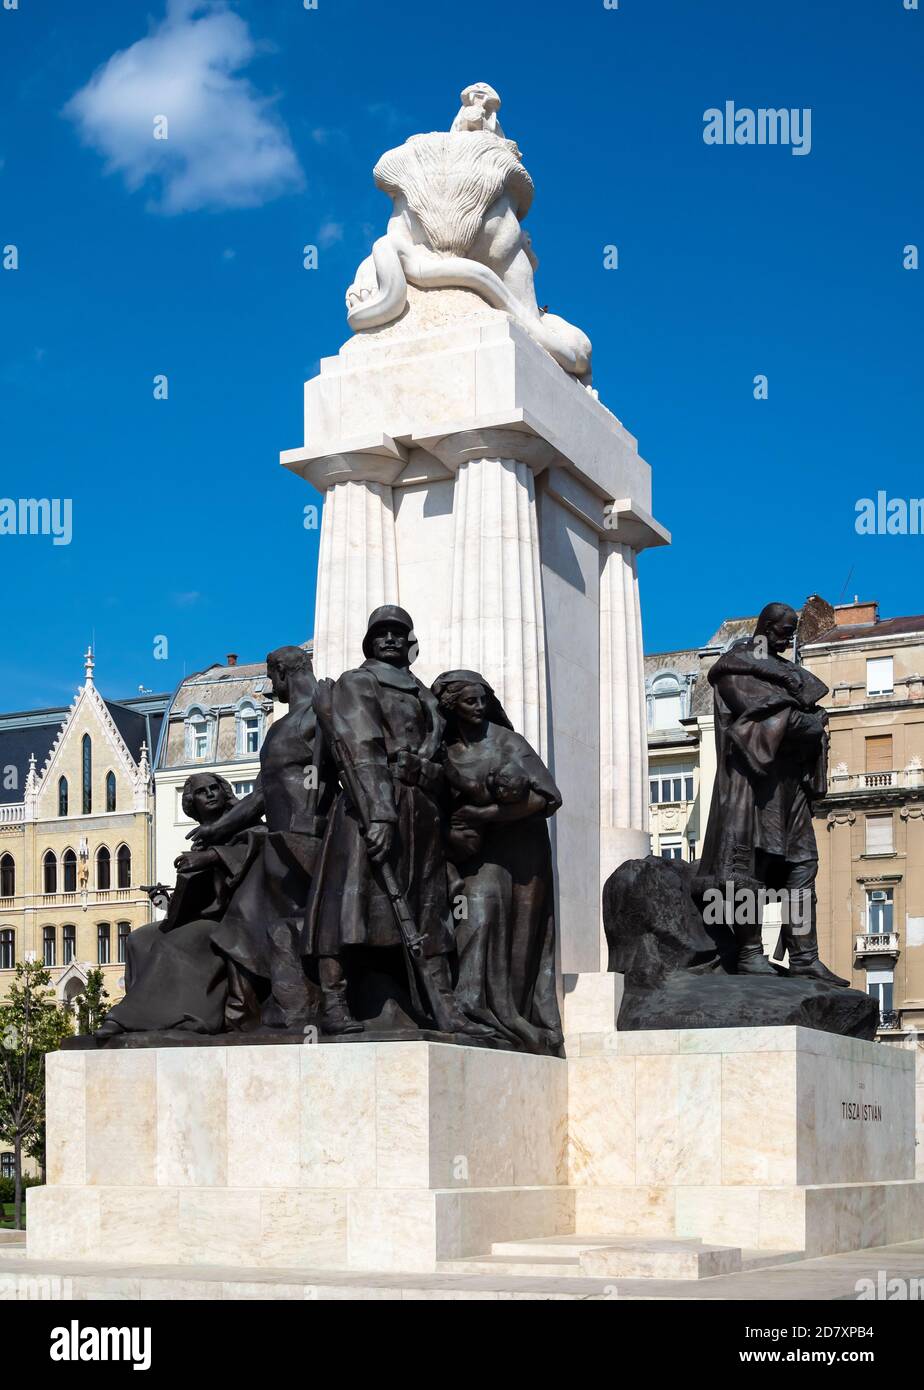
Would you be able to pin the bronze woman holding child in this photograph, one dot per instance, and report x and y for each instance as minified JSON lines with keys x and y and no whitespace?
{"x":501,"y":797}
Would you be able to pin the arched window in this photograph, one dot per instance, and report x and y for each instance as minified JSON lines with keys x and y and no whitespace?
{"x":69,"y":869}
{"x":49,"y":872}
{"x":249,"y":722}
{"x":49,"y":946}
{"x":198,"y":734}
{"x":7,"y":948}
{"x":123,"y":867}
{"x":103,"y":868}
{"x":102,"y":943}
{"x":62,"y":796}
{"x":110,"y":791}
{"x":87,"y":773}
{"x":7,"y":876}
{"x":668,"y":700}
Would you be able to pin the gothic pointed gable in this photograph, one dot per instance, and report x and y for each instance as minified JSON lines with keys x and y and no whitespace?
{"x":90,"y":715}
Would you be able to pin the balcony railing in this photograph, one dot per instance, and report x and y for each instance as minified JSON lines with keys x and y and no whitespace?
{"x":873,"y":943}
{"x":95,"y":897}
{"x":908,"y":777}
{"x":890,"y":1019}
{"x":13,"y":815}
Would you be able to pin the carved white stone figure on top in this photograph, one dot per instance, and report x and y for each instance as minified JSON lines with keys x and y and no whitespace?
{"x":480,"y":105}
{"x":459,"y":199}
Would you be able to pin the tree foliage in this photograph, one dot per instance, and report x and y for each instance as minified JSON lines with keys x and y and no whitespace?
{"x":31,"y":1025}
{"x":91,"y":1006}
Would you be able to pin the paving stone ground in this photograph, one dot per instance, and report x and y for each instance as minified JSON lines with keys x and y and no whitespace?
{"x":831,"y":1279}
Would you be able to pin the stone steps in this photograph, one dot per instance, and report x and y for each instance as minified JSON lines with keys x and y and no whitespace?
{"x":525,"y":1266}
{"x":612,"y":1257}
{"x":796,"y":1279}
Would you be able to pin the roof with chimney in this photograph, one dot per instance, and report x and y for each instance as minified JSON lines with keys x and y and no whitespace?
{"x":217,"y":694}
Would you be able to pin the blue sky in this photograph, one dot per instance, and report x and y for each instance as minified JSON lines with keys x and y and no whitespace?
{"x":733,"y":261}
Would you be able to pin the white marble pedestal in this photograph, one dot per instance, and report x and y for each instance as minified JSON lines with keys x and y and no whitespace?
{"x":361,"y":1156}
{"x":668,"y":1156}
{"x":765,"y":1138}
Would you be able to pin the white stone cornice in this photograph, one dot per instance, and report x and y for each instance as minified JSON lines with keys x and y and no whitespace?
{"x":516,"y":441}
{"x":628,"y":524}
{"x":376,"y":459}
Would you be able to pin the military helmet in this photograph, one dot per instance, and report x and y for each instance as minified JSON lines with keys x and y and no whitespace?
{"x":387,"y":613}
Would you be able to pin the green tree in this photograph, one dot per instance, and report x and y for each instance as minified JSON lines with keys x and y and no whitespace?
{"x":92,"y":1007}
{"x":31,"y":1024}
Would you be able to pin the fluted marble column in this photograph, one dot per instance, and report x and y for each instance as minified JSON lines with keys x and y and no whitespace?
{"x":623,"y":726}
{"x":496,"y":620}
{"x":357,"y":571}
{"x":357,"y":564}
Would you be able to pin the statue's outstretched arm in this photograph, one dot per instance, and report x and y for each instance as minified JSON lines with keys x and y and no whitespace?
{"x":246,"y":813}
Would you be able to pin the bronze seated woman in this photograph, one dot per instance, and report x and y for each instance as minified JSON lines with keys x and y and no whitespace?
{"x":501,"y":797}
{"x":175,"y":977}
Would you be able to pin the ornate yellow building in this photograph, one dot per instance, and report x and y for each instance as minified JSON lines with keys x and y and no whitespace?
{"x":76,"y":834}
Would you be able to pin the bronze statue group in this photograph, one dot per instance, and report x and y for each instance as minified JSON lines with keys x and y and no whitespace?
{"x":390,"y":875}
{"x":391,"y":872}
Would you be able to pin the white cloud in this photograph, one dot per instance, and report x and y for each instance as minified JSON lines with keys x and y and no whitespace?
{"x":328,"y":233}
{"x":225,"y":145}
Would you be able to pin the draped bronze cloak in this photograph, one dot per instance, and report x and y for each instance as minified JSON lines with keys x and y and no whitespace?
{"x":771,"y":761}
{"x":389,"y":725}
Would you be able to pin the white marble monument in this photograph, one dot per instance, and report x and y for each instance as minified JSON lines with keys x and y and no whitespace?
{"x":670,"y":1155}
{"x":470,"y":473}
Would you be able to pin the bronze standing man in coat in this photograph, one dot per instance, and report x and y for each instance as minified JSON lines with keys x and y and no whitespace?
{"x":771,"y":754}
{"x":387,"y":726}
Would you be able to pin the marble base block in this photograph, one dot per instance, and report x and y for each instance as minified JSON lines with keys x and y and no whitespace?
{"x":373,"y":1156}
{"x":765,"y":1138}
{"x":590,"y":1004}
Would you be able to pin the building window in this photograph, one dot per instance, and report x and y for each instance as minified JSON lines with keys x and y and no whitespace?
{"x":879,"y":675}
{"x":103,"y":869}
{"x":691,"y":849}
{"x":102,"y":943}
{"x":69,"y":944}
{"x":87,"y":773}
{"x":249,"y":724}
{"x":671,"y":847}
{"x":7,"y":948}
{"x":69,"y":869}
{"x":879,"y":911}
{"x":880,"y":984}
{"x":124,"y":928}
{"x":62,"y":796}
{"x":7,"y":876}
{"x":110,"y":791}
{"x":49,"y":946}
{"x":123,"y":867}
{"x":671,"y":783}
{"x":49,"y":873}
{"x":7,"y":1165}
{"x":879,"y":760}
{"x":197,"y":734}
{"x":242,"y":789}
{"x":879,"y":835}
{"x":667,"y":702}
